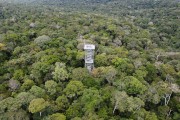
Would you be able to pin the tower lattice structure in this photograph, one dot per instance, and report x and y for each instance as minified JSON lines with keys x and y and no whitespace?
{"x":89,"y":56}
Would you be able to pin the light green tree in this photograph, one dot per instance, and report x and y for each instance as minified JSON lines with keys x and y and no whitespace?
{"x":18,"y":75}
{"x":101,"y":60}
{"x":91,"y":98}
{"x":106,"y":73}
{"x":74,"y":110}
{"x":15,"y":115}
{"x":51,"y":86}
{"x":62,"y":102}
{"x":57,"y":116}
{"x":109,"y":73}
{"x":60,"y":73}
{"x":76,"y":76}
{"x":2,"y":46}
{"x":74,"y":88}
{"x":37,"y":105}
{"x":142,"y":114}
{"x":27,"y":84}
{"x":41,"y":40}
{"x":25,"y":98}
{"x":123,"y":102}
{"x":37,"y":91}
{"x":10,"y":104}
{"x":133,"y":85}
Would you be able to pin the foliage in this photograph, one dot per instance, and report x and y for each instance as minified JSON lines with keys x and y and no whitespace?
{"x":37,"y":91}
{"x":51,"y":87}
{"x":57,"y":116}
{"x":37,"y":105}
{"x":91,"y":99}
{"x":73,"y":89}
{"x":60,"y":73}
{"x":136,"y":74}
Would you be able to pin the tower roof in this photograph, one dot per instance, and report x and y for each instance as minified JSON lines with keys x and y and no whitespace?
{"x":89,"y":46}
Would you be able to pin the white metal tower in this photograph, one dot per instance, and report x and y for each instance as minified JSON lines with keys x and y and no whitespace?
{"x":89,"y":56}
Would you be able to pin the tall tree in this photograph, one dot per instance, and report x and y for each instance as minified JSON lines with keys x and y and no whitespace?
{"x":51,"y":87}
{"x":60,"y":73}
{"x":37,"y":105}
{"x":91,"y":99}
{"x":123,"y":102}
{"x":74,"y":89}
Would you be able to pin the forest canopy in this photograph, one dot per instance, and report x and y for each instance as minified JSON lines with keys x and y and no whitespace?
{"x":136,"y":74}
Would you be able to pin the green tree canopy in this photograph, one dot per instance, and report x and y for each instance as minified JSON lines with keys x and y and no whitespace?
{"x":37,"y":105}
{"x":60,"y":73}
{"x":51,"y":86}
{"x":57,"y":116}
{"x":74,"y":89}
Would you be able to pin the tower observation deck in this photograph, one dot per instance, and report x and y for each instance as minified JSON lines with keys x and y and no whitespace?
{"x":89,"y":56}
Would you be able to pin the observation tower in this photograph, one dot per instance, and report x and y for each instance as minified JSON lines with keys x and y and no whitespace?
{"x":89,"y":56}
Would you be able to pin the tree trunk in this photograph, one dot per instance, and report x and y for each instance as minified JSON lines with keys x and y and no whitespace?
{"x":169,"y":113}
{"x":157,"y":57}
{"x":167,"y":98}
{"x":115,"y":107}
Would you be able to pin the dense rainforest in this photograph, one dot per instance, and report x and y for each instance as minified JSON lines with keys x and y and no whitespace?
{"x":136,"y":74}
